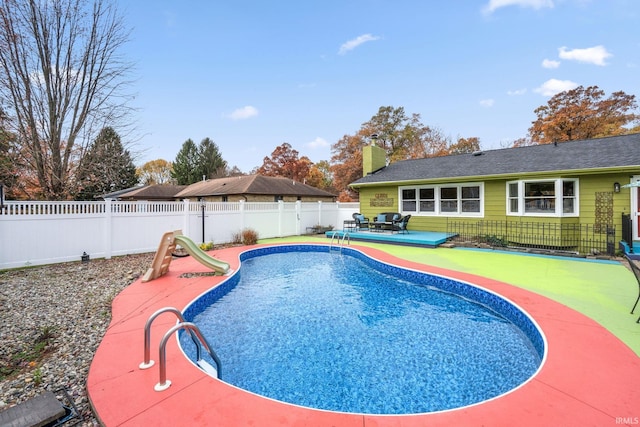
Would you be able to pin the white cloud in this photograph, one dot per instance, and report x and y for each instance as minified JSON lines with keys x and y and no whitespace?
{"x":487,"y":102}
{"x":592,"y":55}
{"x":243,"y":113}
{"x":354,"y":43}
{"x":494,"y":5}
{"x":516,"y":92}
{"x":550,"y":63}
{"x":318,"y":143}
{"x":555,"y":86}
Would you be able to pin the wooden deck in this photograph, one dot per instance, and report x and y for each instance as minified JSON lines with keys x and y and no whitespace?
{"x":427,"y":239}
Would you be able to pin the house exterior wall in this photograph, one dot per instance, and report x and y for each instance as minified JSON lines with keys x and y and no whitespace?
{"x":598,"y":204}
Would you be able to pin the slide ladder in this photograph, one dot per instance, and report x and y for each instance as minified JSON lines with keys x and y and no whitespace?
{"x":167,"y":247}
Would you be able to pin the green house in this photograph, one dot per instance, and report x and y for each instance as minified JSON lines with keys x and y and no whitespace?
{"x":542,"y":196}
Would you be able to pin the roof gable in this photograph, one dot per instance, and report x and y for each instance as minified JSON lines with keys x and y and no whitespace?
{"x":593,"y":154}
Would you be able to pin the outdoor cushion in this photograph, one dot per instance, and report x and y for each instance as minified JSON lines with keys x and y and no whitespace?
{"x":360,"y":217}
{"x":382,"y":218}
{"x":396,"y":217}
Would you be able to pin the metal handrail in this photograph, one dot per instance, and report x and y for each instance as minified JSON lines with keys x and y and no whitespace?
{"x":340,"y":240}
{"x":147,"y":362}
{"x":163,"y":382}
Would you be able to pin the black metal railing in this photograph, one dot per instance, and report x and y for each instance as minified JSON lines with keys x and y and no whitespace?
{"x":627,"y":229}
{"x":575,"y":238}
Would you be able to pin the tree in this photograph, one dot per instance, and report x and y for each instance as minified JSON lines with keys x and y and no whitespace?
{"x":324,"y":168}
{"x":106,"y":167}
{"x":8,"y":169}
{"x":583,"y":113}
{"x":186,"y":166}
{"x":346,"y":163}
{"x":155,"y":172}
{"x":284,"y":162}
{"x":62,"y":78}
{"x":401,"y":136}
{"x":234,"y":171}
{"x":193,"y":164}
{"x":211,"y":161}
{"x":465,"y":146}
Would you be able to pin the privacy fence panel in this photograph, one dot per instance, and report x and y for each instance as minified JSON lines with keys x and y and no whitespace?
{"x":35,"y":233}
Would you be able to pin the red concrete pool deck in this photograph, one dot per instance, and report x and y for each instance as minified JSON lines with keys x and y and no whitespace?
{"x":589,"y":377}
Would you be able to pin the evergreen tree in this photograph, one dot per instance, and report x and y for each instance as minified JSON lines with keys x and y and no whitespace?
{"x":106,"y":167}
{"x":186,"y":166}
{"x":192,"y":163}
{"x":211,"y":161}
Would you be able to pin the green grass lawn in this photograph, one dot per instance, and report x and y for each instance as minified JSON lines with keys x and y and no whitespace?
{"x":603,"y":290}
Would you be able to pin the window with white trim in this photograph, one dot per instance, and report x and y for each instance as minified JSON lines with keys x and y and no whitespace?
{"x":448,"y":199}
{"x":550,"y":197}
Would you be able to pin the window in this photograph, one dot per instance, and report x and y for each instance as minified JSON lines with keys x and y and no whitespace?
{"x":450,"y":200}
{"x":539,"y":197}
{"x":568,"y":197}
{"x":512,"y":197}
{"x":427,"y":200}
{"x":470,"y":199}
{"x":409,"y":200}
{"x":555,"y":197}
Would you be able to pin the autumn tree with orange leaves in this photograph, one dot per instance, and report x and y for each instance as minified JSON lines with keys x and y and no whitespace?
{"x":285,"y":162}
{"x":155,"y":172}
{"x":583,"y":113}
{"x":403,"y":137}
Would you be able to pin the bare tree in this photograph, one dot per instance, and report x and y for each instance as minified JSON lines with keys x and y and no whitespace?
{"x":62,"y":80}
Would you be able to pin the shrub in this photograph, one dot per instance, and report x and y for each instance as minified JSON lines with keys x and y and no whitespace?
{"x":249,"y":236}
{"x":236,"y":238}
{"x":206,"y":246}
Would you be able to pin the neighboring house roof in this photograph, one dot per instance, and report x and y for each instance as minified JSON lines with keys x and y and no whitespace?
{"x":154,"y":192}
{"x":611,"y":153}
{"x":117,"y":194}
{"x":252,"y":184}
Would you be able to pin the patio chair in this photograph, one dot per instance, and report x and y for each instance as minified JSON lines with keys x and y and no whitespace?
{"x":362,"y":222}
{"x":636,"y":272}
{"x":400,"y":226}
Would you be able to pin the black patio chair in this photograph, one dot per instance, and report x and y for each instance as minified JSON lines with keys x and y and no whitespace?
{"x":362,"y":222}
{"x":400,"y":226}
{"x":636,"y":272}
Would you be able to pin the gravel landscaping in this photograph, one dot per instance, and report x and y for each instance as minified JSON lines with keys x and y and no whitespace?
{"x":52,"y":319}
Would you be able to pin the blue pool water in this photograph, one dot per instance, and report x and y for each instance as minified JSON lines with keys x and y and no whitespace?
{"x":333,"y":332}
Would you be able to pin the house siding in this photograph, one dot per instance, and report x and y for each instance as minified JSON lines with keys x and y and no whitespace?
{"x":598,"y":204}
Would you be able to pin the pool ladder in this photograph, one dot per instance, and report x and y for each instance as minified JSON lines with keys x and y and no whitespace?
{"x":198,"y":339}
{"x":340,"y":240}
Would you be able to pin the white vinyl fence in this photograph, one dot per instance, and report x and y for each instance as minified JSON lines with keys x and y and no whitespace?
{"x":36,"y":233}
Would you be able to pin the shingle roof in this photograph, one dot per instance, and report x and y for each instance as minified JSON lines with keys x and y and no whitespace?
{"x":251,"y":184}
{"x":156,"y":191}
{"x":593,"y":154}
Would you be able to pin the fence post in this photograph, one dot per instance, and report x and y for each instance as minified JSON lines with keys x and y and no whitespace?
{"x":298,"y":216}
{"x":320,"y":212}
{"x":242,"y":215}
{"x":185,"y":217}
{"x":108,"y":228}
{"x":280,"y":216}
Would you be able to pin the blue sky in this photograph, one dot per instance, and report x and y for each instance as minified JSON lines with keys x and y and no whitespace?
{"x":252,"y":74}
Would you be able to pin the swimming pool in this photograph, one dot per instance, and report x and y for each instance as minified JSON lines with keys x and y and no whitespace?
{"x":406,"y":342}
